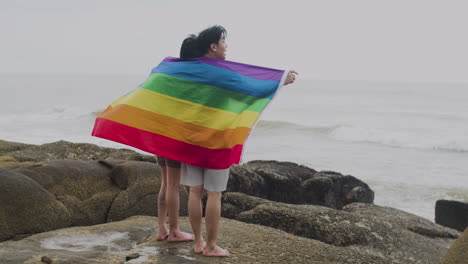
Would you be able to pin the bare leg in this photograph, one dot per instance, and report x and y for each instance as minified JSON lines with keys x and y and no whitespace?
{"x":162,"y":206}
{"x":172,"y":200}
{"x":195,"y":215}
{"x":212,"y":215}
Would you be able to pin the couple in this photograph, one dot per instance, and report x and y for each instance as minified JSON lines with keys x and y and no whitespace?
{"x":209,"y":43}
{"x":195,"y":113}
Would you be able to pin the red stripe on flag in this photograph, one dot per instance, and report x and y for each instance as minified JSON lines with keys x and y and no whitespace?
{"x":167,"y":147}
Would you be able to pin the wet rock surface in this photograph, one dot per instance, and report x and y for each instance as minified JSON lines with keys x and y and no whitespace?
{"x":133,"y":241}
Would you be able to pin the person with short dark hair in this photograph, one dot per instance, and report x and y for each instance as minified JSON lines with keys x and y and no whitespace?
{"x":209,"y":43}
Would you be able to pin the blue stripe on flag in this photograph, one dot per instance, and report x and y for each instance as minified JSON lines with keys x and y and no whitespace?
{"x":219,"y":77}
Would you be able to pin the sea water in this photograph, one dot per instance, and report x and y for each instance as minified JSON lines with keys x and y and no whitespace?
{"x":408,"y":141}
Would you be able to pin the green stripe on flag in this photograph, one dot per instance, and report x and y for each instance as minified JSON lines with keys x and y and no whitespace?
{"x":203,"y":94}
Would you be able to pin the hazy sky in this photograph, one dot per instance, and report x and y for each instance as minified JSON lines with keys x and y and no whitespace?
{"x":351,"y":39}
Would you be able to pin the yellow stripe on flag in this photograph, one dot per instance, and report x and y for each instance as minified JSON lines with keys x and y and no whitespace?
{"x":187,"y":111}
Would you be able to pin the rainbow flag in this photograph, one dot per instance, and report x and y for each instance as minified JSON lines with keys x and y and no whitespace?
{"x":198,"y":111}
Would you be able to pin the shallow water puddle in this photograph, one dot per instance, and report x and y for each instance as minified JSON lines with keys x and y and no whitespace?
{"x":85,"y":242}
{"x":110,"y":242}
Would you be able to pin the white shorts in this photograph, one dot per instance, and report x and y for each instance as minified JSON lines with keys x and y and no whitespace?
{"x":212,"y":180}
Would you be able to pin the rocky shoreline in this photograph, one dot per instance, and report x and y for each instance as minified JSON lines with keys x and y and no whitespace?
{"x":274,"y":212}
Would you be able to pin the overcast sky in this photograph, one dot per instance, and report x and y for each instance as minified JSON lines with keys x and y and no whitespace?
{"x":351,"y":39}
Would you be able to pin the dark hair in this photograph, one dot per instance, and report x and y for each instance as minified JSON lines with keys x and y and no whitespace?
{"x":189,"y":48}
{"x":194,"y":46}
{"x":210,"y":35}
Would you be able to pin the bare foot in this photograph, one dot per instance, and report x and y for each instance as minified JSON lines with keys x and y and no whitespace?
{"x":161,"y":237}
{"x":180,"y":236}
{"x":216,"y":252}
{"x":162,"y":234}
{"x":199,"y":246}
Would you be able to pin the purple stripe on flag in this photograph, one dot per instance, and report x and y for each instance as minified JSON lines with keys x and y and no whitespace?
{"x":256,"y":72}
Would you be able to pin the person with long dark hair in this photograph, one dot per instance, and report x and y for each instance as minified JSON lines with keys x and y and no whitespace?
{"x":168,"y":202}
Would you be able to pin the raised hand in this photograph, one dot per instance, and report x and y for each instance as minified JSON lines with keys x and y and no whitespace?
{"x":291,"y":77}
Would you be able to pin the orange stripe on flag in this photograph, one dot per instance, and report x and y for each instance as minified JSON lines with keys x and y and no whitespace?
{"x":176,"y":129}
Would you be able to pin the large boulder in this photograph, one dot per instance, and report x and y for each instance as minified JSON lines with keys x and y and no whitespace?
{"x":289,"y":182}
{"x":84,"y":187}
{"x":399,"y":236}
{"x":27,"y":208}
{"x":453,"y":214}
{"x":139,"y":183}
{"x":86,"y":192}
